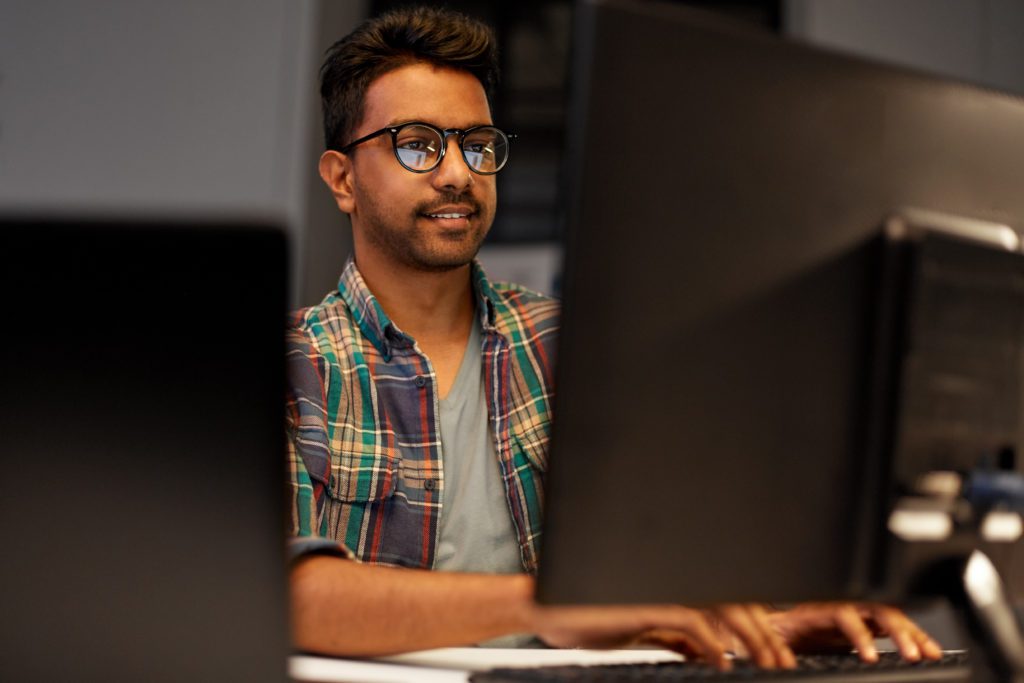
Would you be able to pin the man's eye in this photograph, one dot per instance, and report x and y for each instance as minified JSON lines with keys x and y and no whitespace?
{"x":415,"y":144}
{"x":479,"y":148}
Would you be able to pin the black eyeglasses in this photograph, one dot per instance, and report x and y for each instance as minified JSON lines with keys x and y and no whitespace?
{"x":420,"y":147}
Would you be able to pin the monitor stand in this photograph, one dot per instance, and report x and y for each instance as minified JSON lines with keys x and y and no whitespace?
{"x":994,"y":634}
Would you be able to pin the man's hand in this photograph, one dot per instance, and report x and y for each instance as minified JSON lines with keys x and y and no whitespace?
{"x":698,"y":634}
{"x":769,"y":639}
{"x":750,"y":632}
{"x":830,"y":627}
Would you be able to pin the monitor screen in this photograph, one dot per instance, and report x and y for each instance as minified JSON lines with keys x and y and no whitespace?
{"x":713,"y":435}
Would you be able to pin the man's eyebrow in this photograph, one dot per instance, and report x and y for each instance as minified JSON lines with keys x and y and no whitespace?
{"x":401,"y":122}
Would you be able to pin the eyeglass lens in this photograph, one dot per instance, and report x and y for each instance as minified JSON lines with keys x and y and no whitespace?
{"x":419,"y":148}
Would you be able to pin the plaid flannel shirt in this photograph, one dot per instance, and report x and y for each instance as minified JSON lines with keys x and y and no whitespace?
{"x":364,"y":446}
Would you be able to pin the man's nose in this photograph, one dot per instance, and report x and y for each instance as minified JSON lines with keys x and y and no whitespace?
{"x":452,"y":174}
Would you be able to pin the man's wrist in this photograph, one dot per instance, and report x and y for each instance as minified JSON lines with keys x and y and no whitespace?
{"x":525,"y":612}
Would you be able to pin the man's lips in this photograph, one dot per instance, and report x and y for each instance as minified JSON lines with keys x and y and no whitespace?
{"x":449,"y":212}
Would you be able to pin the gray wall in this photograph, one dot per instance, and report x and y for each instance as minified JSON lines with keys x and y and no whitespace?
{"x":163,"y":106}
{"x":327,"y":237}
{"x":975,"y":40}
{"x":155,"y":108}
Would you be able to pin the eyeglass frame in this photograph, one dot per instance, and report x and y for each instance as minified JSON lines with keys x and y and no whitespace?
{"x":445,"y":132}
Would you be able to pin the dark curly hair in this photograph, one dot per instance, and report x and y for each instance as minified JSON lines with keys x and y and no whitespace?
{"x":398,"y":38}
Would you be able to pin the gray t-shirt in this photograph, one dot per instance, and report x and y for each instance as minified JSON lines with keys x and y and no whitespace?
{"x":476,"y":533}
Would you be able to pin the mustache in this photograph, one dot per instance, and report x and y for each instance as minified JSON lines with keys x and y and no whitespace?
{"x":447,"y":199}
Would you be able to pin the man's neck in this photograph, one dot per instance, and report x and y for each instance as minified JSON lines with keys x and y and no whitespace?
{"x":434,"y":308}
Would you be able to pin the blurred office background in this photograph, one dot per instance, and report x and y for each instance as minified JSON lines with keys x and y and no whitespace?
{"x":147,"y":107}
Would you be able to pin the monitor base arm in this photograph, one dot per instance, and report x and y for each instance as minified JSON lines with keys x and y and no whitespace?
{"x":996,"y":643}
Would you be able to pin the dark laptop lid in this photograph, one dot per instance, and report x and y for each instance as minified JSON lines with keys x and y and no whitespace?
{"x":141,"y":500}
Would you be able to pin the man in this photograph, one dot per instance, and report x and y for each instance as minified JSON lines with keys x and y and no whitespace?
{"x":419,"y":392}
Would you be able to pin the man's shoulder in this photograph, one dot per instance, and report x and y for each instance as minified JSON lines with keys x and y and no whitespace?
{"x":527,"y":319}
{"x":517,"y":301}
{"x":309,"y":323}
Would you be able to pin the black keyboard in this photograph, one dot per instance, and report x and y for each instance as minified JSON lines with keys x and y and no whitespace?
{"x":890,"y":668}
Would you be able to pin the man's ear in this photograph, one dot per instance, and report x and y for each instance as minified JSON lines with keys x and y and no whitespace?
{"x":336,"y":171}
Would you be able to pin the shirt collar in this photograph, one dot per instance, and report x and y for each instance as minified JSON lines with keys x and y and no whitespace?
{"x":379,"y":328}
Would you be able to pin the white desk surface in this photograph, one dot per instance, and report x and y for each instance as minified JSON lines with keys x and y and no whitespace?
{"x":453,"y":664}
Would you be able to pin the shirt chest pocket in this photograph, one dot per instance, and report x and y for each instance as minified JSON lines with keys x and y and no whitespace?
{"x":529,"y":435}
{"x":362,"y":469}
{"x":359,"y":482}
{"x":530,"y":444}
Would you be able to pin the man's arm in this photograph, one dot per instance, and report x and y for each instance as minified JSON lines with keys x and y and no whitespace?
{"x":341,"y":607}
{"x":344,"y":608}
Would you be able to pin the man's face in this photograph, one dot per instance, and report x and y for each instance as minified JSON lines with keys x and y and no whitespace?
{"x":405,"y":217}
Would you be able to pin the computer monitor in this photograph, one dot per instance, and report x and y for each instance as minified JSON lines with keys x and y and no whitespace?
{"x":718,"y":434}
{"x":141,"y":440}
